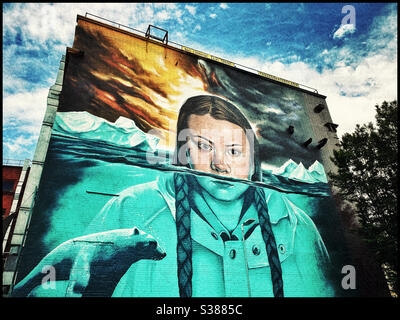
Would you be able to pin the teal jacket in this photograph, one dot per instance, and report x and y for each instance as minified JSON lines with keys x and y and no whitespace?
{"x":231,"y":268}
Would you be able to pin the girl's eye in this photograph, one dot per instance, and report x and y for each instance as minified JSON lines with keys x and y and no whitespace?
{"x":234,"y":152}
{"x":204,"y":146}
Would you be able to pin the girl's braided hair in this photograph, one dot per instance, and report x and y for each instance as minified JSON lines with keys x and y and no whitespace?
{"x":219,"y":109}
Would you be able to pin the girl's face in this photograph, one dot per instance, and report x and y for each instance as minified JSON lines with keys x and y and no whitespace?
{"x":219,"y":147}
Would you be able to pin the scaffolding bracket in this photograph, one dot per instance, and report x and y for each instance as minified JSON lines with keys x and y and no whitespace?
{"x":152,"y":36}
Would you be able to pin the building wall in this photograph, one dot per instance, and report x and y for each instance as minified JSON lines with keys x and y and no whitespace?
{"x":10,"y":179}
{"x":115,"y":131}
{"x":14,"y":183}
{"x":319,"y":121}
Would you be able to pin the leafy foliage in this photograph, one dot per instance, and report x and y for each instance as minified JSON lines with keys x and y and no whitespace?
{"x":367,"y":177}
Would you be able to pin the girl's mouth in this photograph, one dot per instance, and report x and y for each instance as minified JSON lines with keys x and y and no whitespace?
{"x":223,"y":184}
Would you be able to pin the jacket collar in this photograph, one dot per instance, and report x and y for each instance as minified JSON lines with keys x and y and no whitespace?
{"x":165,"y":183}
{"x":280,"y":207}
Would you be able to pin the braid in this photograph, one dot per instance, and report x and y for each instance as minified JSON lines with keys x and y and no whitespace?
{"x":184,"y":243}
{"x":270,"y":244}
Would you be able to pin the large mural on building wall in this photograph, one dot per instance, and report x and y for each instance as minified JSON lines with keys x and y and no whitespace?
{"x":168,"y":174}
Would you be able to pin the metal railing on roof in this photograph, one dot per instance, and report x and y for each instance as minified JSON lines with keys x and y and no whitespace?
{"x":13,"y":162}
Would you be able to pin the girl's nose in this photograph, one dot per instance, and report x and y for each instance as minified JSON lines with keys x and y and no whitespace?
{"x":219,"y":164}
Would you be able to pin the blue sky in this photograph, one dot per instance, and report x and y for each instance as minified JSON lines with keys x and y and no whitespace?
{"x":354,"y":65}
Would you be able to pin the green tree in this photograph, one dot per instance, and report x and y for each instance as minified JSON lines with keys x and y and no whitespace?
{"x":367,"y":177}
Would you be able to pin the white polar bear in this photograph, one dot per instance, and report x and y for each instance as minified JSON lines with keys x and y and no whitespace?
{"x":93,"y":264}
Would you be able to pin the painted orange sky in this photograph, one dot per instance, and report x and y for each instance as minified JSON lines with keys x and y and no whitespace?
{"x":134,"y":78}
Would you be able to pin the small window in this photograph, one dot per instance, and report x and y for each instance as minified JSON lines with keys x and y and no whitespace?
{"x":14,"y":249}
{"x":8,"y":185}
{"x":319,"y":108}
{"x":322,"y":142}
{"x":305,"y":144}
{"x":331,"y":126}
{"x":6,"y":290}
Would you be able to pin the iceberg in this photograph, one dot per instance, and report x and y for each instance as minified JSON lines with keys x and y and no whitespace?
{"x":317,"y":167}
{"x":318,"y":172}
{"x":302,"y":174}
{"x":286,"y":169}
{"x":290,"y":169}
{"x":123,"y":132}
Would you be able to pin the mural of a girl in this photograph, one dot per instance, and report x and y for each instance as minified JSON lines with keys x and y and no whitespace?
{"x":219,"y":141}
{"x":222,"y":234}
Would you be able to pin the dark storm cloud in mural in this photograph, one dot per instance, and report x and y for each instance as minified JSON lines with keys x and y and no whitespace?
{"x":270,"y":107}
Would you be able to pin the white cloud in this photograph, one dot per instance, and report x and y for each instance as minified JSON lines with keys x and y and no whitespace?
{"x":22,"y":119}
{"x":25,"y":141}
{"x":197,"y":27}
{"x":224,"y":6}
{"x":178,"y":14}
{"x":191,"y":9}
{"x":149,"y":11}
{"x":42,"y":22}
{"x":162,"y":15}
{"x":343,"y":30}
{"x":20,"y":147}
{"x":14,"y":149}
{"x":27,"y":107}
{"x":213,"y":15}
